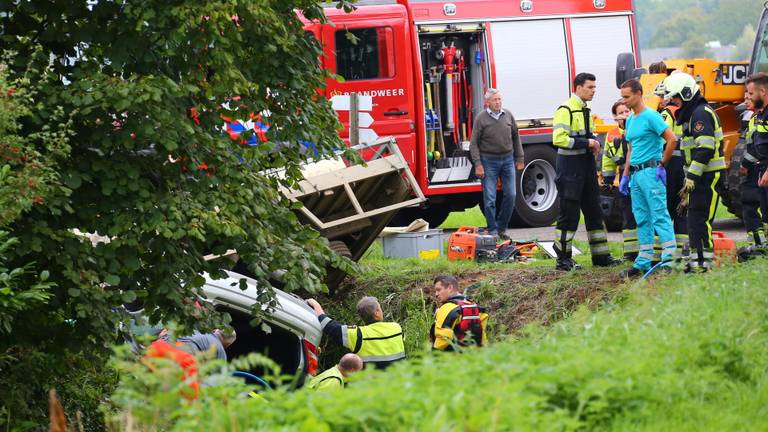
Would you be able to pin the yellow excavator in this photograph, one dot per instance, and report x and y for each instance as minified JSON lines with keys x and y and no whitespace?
{"x":723,"y":85}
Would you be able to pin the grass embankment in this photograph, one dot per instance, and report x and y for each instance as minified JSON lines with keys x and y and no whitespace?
{"x":681,"y":353}
{"x":516,"y":294}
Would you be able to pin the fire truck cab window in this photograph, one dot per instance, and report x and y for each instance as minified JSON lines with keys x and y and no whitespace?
{"x":365,"y":53}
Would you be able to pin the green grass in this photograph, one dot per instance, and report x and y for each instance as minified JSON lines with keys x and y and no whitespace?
{"x":685,"y":353}
{"x":475,"y":217}
{"x":469,"y":217}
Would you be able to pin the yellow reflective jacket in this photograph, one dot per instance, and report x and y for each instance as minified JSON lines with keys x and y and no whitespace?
{"x":446,"y":329}
{"x":380,"y":343}
{"x":613,"y":153}
{"x":329,"y":379}
{"x":572,"y":127}
{"x":668,"y":114}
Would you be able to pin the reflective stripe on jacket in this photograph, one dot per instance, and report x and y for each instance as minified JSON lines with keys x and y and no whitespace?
{"x":380,"y":342}
{"x":711,"y":140}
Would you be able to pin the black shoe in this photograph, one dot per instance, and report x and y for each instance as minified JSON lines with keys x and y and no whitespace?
{"x":503,"y":236}
{"x":605,"y":261}
{"x":630,"y":257}
{"x":631,"y":273}
{"x":566,"y":264}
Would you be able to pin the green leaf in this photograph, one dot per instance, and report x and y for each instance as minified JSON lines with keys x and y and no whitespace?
{"x":112,"y":280}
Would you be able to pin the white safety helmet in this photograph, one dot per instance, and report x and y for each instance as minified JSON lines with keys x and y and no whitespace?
{"x":660,"y":89}
{"x":680,"y":84}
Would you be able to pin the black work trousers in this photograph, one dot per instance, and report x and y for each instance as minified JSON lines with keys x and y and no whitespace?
{"x":578,"y":191}
{"x":754,"y":201}
{"x":629,"y":228}
{"x":701,"y":211}
{"x":675,"y":182}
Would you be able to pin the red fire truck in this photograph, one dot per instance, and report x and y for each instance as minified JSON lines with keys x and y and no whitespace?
{"x":427,"y":64}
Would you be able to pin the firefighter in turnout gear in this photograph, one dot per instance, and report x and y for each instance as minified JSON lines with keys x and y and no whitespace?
{"x":458,"y":320}
{"x":576,"y":179}
{"x":757,"y":92}
{"x":754,"y":199}
{"x":612,"y":165}
{"x":379,"y":343}
{"x":701,"y":146}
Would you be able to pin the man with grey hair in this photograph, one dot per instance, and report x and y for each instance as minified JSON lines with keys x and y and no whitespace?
{"x":336,"y":376}
{"x":496,"y":152}
{"x":377,"y":342}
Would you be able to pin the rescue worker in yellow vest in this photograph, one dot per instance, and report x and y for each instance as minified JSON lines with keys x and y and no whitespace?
{"x":459,"y":322}
{"x":576,"y":180}
{"x":336,"y":377}
{"x":701,"y":145}
{"x":757,"y":92}
{"x":378,"y":342}
{"x":612,"y":166}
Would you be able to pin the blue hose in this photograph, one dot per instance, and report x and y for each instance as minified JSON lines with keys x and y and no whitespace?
{"x":250,"y":376}
{"x":652,"y":269}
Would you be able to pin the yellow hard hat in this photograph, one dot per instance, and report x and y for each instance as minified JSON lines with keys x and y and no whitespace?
{"x":680,"y":84}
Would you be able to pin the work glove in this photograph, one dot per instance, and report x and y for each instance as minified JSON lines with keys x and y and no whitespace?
{"x":661,"y":174}
{"x":685,"y":194}
{"x":624,"y":185}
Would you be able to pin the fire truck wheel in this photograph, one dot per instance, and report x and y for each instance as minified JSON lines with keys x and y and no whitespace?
{"x":536,"y":190}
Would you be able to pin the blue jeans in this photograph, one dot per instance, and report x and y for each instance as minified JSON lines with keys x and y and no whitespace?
{"x":649,"y":205}
{"x":498,"y":167}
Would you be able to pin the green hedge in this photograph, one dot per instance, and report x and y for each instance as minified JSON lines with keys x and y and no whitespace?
{"x":686,"y":353}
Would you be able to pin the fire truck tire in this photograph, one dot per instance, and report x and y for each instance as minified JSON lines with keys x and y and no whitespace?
{"x":731,"y":196}
{"x":536,"y":203}
{"x":625,"y":65}
{"x":340,"y":248}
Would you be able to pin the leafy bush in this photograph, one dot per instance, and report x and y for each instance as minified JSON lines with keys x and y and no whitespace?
{"x":111,"y":119}
{"x":686,"y":353}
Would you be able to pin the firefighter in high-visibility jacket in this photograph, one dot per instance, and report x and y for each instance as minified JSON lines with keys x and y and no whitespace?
{"x":754,"y":200}
{"x":458,"y":320}
{"x":757,"y":92}
{"x":377,"y":342}
{"x":701,"y":146}
{"x":675,"y":181}
{"x":612,"y":166}
{"x":576,"y":180}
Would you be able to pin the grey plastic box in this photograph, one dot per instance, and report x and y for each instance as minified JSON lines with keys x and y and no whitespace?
{"x":424,"y":245}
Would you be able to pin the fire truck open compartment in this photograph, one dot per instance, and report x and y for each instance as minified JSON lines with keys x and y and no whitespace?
{"x":455,"y":78}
